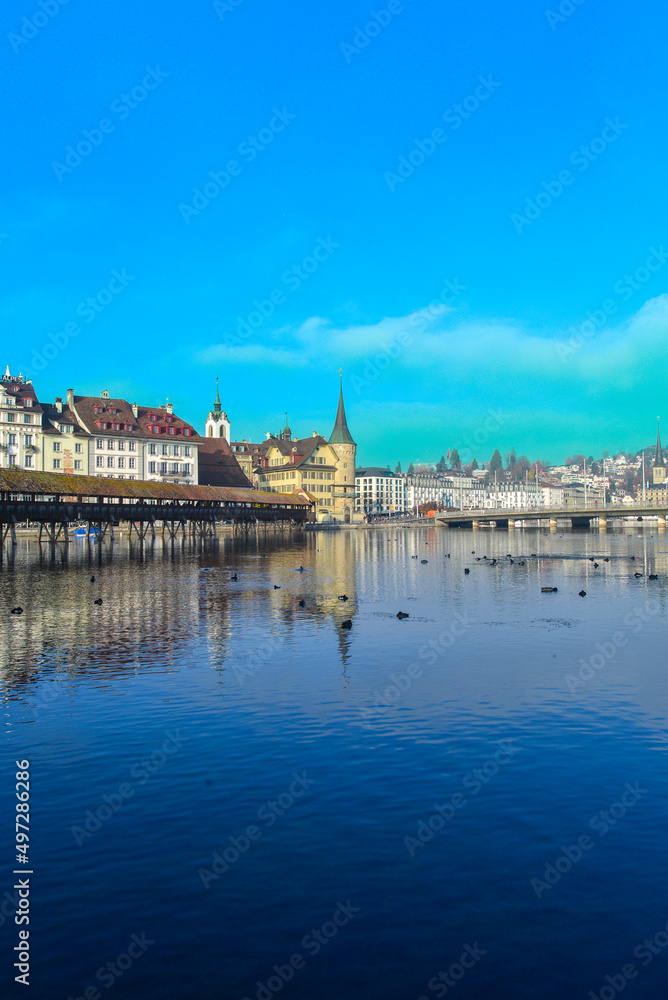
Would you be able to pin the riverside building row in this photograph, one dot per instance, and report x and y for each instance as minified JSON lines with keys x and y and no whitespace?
{"x":113,"y":438}
{"x":104,"y":436}
{"x":382,"y":492}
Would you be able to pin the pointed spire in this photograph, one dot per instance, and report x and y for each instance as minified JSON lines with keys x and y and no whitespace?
{"x":658,"y":457}
{"x":341,"y":434}
{"x":216,"y":405}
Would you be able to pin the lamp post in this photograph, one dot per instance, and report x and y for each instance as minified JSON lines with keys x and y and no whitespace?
{"x":585,"y":481}
{"x":644,"y":497}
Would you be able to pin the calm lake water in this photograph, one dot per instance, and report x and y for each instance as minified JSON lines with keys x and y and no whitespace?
{"x":224,"y":782}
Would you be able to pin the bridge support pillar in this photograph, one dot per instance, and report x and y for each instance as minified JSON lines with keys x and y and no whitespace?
{"x":511,"y":524}
{"x":662,"y":520}
{"x":602,"y":523}
{"x":476,"y":524}
{"x":553,"y":523}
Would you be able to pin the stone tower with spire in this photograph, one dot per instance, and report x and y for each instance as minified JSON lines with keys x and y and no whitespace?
{"x":341,"y":441}
{"x":659,"y":465}
{"x":217,"y":423}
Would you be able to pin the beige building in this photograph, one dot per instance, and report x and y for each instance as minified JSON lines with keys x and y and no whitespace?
{"x":324,"y":468}
{"x":64,"y":444}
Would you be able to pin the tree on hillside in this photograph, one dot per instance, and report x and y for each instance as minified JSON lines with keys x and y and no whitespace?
{"x":474,"y":465}
{"x":398,"y":468}
{"x":495,"y":463}
{"x":521,"y":467}
{"x":440,"y":465}
{"x":411,"y":470}
{"x":455,"y":461}
{"x":511,"y":459}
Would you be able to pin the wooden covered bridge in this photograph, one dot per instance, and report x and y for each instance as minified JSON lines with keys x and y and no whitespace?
{"x":55,"y":501}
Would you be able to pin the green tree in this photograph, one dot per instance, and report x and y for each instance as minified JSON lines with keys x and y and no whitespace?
{"x":455,"y":461}
{"x":440,"y":465}
{"x":474,"y":465}
{"x":411,"y":470}
{"x":495,"y":463}
{"x":398,"y":468}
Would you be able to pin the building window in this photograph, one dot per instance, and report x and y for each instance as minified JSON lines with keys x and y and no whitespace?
{"x":110,"y":462}
{"x":28,"y":461}
{"x":56,"y":463}
{"x":132,"y":463}
{"x":99,"y":443}
{"x":163,"y":468}
{"x":175,"y":450}
{"x":121,"y":445}
{"x":151,"y":467}
{"x":99,"y":462}
{"x":78,"y":448}
{"x":78,"y":464}
{"x":110,"y":445}
{"x":11,"y":459}
{"x":11,"y":439}
{"x":28,"y":401}
{"x":132,"y":446}
{"x":186,"y":450}
{"x":186,"y":469}
{"x":164,"y":450}
{"x":151,"y":448}
{"x":27,"y":419}
{"x":27,"y":440}
{"x":175,"y":468}
{"x":57,"y":446}
{"x":121,"y":463}
{"x":11,"y":417}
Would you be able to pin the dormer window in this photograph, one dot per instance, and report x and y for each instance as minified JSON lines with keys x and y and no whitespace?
{"x":27,"y":401}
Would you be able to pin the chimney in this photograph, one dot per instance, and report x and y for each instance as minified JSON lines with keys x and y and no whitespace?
{"x":170,"y":408}
{"x":315,"y":434}
{"x":70,"y":398}
{"x":135,"y":410}
{"x":59,"y":404}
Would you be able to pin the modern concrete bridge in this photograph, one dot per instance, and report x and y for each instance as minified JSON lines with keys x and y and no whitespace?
{"x":580,"y":516}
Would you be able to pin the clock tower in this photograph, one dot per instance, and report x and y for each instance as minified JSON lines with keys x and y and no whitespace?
{"x":341,"y":442}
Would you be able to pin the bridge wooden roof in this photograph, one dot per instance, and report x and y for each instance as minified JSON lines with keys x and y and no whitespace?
{"x":15,"y":480}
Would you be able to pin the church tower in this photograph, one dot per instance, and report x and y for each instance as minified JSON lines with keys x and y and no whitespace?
{"x":659,"y":465}
{"x":341,"y":441}
{"x":217,"y":423}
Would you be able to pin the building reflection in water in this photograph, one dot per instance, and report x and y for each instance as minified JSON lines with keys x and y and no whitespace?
{"x":168,"y":605}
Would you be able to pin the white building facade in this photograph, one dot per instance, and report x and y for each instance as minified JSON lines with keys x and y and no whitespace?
{"x":379,"y":491}
{"x":21,"y":419}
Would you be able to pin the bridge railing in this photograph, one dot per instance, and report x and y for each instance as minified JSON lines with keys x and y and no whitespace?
{"x":591,"y":505}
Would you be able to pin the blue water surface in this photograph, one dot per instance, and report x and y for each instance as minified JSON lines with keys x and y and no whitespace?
{"x":223,"y":781}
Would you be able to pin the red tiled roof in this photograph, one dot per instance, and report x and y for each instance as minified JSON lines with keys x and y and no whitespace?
{"x":216,"y":464}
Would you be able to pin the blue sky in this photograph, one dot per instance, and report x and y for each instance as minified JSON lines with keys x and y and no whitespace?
{"x":403,"y":195}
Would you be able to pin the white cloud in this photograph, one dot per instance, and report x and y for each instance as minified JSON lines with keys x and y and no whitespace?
{"x":252,"y":354}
